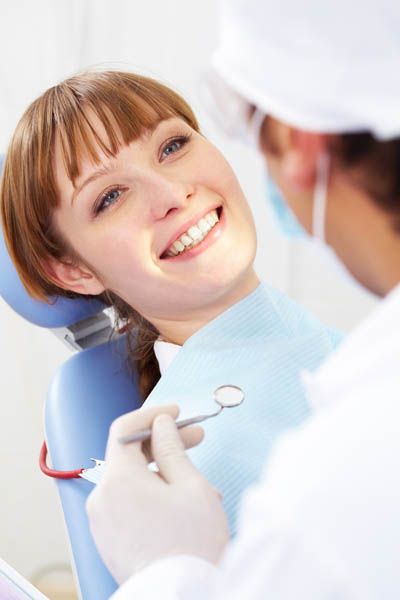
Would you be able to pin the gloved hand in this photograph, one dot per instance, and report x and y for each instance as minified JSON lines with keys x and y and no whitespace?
{"x":138,"y":516}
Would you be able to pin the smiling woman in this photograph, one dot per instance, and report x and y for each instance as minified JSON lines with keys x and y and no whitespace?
{"x":110,"y":190}
{"x":127,"y":222}
{"x":119,"y":194}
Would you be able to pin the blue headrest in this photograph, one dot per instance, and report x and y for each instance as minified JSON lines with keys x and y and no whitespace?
{"x":59,"y":312}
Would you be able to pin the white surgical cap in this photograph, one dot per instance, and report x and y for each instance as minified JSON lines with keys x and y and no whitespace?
{"x":320,"y":65}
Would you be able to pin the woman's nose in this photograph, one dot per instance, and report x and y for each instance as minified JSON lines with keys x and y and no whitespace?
{"x":168,"y":195}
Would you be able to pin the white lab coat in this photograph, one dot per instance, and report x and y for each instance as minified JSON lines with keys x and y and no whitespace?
{"x":324,"y":521}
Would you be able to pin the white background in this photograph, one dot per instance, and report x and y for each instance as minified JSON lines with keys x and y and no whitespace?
{"x":41,"y":42}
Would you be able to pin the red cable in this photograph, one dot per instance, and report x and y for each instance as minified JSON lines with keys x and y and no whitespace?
{"x":52,"y":472}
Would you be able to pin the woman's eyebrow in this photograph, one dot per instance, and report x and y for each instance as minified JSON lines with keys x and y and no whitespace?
{"x":104,"y":170}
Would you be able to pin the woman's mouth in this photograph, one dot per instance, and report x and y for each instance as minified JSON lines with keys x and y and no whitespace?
{"x":195,"y":235}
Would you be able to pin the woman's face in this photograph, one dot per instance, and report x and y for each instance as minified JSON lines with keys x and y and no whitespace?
{"x":164,"y":224}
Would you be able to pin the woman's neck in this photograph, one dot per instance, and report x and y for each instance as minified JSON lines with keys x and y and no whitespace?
{"x":178,"y":331}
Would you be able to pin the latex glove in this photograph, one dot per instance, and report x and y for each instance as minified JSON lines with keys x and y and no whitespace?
{"x":137,"y":516}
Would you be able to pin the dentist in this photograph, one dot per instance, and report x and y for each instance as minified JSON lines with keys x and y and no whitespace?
{"x":324,"y":520}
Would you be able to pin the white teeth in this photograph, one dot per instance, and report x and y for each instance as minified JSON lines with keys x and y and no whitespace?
{"x":209,"y":220}
{"x":186,"y":240}
{"x":194,"y":232}
{"x":178,"y":246}
{"x":204,"y":226}
{"x":194,"y":235}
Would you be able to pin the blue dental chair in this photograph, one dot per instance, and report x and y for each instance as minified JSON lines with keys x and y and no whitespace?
{"x":87,"y":393}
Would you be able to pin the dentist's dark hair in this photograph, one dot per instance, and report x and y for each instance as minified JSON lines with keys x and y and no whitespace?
{"x":127,"y":105}
{"x":375,"y":167}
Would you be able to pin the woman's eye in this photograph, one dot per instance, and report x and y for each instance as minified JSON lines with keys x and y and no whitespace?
{"x":107,"y":200}
{"x":174,"y":146}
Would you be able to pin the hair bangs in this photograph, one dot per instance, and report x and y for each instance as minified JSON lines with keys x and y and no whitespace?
{"x":111,"y":113}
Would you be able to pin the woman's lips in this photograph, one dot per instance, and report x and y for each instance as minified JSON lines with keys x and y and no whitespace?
{"x":186,"y":226}
{"x":210,"y":238}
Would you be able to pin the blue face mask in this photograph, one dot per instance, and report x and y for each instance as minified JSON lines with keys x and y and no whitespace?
{"x":285,"y":219}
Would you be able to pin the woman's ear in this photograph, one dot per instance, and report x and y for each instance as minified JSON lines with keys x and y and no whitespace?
{"x":299,"y":158}
{"x":73,"y":277}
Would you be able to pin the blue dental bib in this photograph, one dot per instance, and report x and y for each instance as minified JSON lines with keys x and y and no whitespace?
{"x":260,"y":344}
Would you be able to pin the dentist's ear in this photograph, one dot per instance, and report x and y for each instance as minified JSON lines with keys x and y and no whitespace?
{"x":299,"y":158}
{"x":73,"y":277}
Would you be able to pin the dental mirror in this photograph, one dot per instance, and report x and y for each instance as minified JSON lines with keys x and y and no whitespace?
{"x":226,"y":396}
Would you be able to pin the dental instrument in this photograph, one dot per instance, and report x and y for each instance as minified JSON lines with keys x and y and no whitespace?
{"x":226,"y":396}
